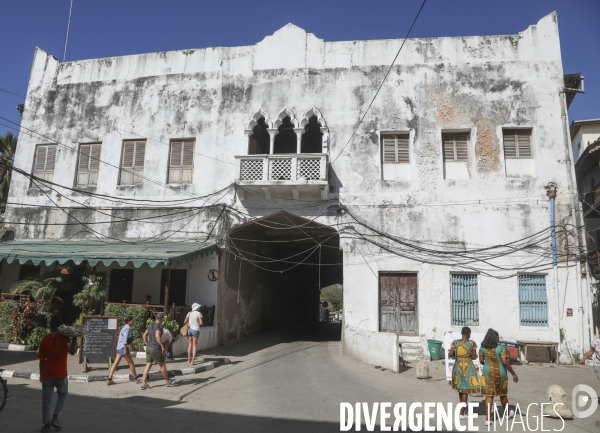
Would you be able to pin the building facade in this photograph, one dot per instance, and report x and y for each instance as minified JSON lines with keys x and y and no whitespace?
{"x":432,"y":211}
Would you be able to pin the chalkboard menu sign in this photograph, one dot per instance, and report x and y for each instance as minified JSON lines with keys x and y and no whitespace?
{"x":100,"y":342}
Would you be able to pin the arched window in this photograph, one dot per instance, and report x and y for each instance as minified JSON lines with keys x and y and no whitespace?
{"x":312,"y":138}
{"x":259,"y":141}
{"x":286,"y":140}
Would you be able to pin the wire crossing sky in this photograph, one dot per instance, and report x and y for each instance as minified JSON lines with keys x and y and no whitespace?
{"x":115,"y":28}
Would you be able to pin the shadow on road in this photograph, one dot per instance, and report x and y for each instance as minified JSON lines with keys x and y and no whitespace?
{"x":92,"y":414}
{"x":320,"y":332}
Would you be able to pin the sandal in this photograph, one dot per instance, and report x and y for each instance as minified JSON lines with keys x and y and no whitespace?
{"x":137,"y":380}
{"x":171,"y":383}
{"x":146,"y":386}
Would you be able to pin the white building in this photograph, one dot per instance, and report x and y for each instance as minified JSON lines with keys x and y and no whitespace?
{"x":453,"y":156}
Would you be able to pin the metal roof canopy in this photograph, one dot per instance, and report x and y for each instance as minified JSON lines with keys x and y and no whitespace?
{"x":174,"y":253}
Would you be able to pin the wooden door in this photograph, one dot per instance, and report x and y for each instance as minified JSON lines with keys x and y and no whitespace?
{"x":177,"y":288}
{"x":398,"y":295}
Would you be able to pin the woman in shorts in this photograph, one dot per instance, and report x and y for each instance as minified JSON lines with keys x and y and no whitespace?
{"x":123,"y":351}
{"x":195,"y":321}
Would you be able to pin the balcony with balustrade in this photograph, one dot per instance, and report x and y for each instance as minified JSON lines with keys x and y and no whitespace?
{"x":286,"y":159}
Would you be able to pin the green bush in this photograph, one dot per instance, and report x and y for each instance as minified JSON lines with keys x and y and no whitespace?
{"x":6,"y":308}
{"x":138,"y":313}
{"x":24,"y":319}
{"x":36,"y":336}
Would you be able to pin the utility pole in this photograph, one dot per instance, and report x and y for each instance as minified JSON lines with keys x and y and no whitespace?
{"x":551,"y":194}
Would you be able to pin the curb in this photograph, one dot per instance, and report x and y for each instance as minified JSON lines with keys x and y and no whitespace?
{"x":14,"y":347}
{"x":82,"y":378}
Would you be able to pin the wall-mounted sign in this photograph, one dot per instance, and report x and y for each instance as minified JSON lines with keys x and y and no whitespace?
{"x":569,"y":312}
{"x":213,"y":275}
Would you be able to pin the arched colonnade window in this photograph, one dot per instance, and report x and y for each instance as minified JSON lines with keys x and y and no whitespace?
{"x":286,"y":135}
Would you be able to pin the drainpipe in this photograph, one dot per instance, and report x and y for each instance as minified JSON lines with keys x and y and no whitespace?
{"x":551,"y":193}
{"x":577,"y":220}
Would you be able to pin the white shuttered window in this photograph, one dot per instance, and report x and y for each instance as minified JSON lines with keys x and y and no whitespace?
{"x":89,"y":164}
{"x":455,"y":146}
{"x":132,"y":166}
{"x":181,"y":162}
{"x":45,"y":159}
{"x":517,"y":143}
{"x":395,"y":148}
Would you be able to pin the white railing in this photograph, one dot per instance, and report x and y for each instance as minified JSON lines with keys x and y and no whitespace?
{"x":284,"y":167}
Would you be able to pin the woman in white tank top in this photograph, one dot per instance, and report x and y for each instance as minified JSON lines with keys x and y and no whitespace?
{"x":195,"y":321}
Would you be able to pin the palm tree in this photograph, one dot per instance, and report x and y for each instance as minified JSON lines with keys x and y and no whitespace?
{"x":42,"y":287}
{"x":8,"y":147}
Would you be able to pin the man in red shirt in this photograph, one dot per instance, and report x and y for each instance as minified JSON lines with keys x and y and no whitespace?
{"x":52,"y":354}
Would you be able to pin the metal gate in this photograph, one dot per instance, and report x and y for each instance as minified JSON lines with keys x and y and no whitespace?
{"x":398,"y":295}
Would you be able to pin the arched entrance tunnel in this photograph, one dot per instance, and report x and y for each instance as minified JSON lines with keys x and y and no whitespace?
{"x":274,"y":268}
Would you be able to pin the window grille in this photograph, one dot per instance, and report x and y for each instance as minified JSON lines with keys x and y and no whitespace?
{"x":455,"y":146}
{"x":533,"y":300}
{"x":517,"y":143}
{"x":309,"y":169}
{"x":45,"y":159}
{"x":181,"y":162}
{"x":280,"y":169}
{"x":89,"y":164}
{"x":465,"y":300}
{"x":132,"y":167}
{"x":395,"y":148}
{"x":251,"y":169}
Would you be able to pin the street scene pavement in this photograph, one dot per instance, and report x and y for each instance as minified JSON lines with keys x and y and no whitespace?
{"x":289,"y":380}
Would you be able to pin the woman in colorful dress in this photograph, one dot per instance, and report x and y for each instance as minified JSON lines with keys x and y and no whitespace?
{"x":494,"y":379}
{"x":464,"y":373}
{"x":595,"y":352}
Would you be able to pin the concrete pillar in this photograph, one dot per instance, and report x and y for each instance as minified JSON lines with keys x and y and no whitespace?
{"x":272,"y":133}
{"x":299,"y":132}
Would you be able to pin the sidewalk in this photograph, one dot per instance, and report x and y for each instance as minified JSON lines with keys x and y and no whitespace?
{"x":26,"y":366}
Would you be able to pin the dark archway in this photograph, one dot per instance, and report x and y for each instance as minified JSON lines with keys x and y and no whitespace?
{"x":274,"y":269}
{"x":312,"y":139}
{"x":259,"y":142}
{"x":286,"y":140}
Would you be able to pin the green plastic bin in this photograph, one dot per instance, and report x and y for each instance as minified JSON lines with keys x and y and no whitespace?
{"x":435,"y":348}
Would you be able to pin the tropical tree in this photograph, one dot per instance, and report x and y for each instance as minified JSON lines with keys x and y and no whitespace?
{"x":334,"y":295}
{"x":8,"y":147}
{"x":43,"y":287}
{"x":91,"y":297}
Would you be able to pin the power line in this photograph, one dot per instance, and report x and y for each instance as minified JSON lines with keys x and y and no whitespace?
{"x":381,"y":85}
{"x":11,"y":93}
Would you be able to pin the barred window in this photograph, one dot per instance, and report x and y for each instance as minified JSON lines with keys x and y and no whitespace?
{"x":395,"y":148}
{"x":455,"y":146}
{"x":465,"y":300}
{"x":89,"y":164}
{"x":517,"y":143}
{"x":181,"y":162}
{"x":533,"y":300}
{"x":132,"y":166}
{"x":45,"y":159}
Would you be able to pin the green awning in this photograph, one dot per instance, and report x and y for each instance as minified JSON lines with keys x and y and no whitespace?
{"x":175,"y":253}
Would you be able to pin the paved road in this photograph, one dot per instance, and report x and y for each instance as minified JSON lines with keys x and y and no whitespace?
{"x":279,"y":381}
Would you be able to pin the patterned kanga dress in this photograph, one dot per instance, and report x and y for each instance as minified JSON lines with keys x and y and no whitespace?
{"x":494,"y":380}
{"x":464,"y":373}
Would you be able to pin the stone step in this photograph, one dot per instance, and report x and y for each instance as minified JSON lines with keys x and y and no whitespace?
{"x":409,"y":339}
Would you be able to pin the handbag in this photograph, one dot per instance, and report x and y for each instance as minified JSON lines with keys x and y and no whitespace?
{"x":184,"y":330}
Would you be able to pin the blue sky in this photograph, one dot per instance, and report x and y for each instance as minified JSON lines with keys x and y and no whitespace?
{"x":112,"y":28}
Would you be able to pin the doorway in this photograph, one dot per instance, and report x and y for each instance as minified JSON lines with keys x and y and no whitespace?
{"x":177,"y":286}
{"x":121,"y":285}
{"x":398,"y":296}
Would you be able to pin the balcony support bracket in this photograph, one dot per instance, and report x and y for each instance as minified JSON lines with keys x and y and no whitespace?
{"x":295,"y":193}
{"x":266,"y":192}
